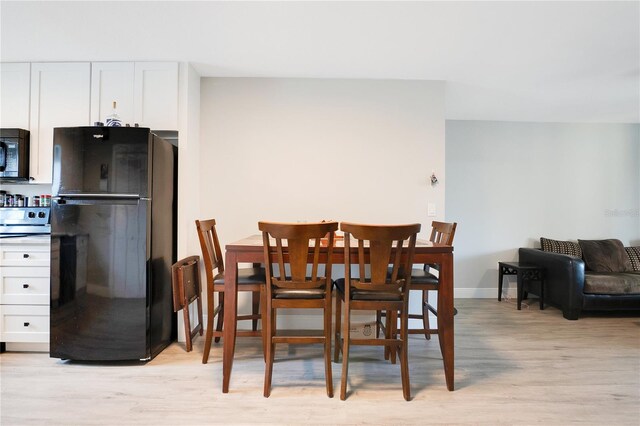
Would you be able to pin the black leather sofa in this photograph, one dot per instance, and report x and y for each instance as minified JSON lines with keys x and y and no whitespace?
{"x":565,"y":284}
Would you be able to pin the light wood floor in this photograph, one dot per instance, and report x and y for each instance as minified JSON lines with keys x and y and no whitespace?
{"x":512,"y":367}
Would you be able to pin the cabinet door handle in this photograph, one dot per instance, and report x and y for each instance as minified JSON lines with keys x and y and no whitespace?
{"x":25,"y":255}
{"x":25,"y":285}
{"x":26,"y":324}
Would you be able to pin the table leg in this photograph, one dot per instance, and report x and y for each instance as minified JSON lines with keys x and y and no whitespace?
{"x":445,"y":318}
{"x":541,"y":295}
{"x":230,"y":317}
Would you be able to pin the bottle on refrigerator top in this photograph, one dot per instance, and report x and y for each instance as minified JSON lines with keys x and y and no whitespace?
{"x":113,"y":119}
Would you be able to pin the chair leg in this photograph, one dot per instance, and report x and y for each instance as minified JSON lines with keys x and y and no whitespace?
{"x":263,"y":319}
{"x":220,"y":315}
{"x":199,"y":302}
{"x":387,"y":329}
{"x":255,"y":308}
{"x":327,"y":347}
{"x":345,"y":353}
{"x":187,"y":327}
{"x":337,"y":342}
{"x":425,"y":314}
{"x":404,"y":356}
{"x":378,"y":323}
{"x":268,"y":367}
{"x":391,"y":333}
{"x":207,"y":340}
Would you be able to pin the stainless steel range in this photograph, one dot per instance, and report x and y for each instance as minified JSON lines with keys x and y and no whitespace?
{"x":24,"y":221}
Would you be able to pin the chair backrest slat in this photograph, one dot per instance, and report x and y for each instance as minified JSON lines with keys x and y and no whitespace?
{"x":361,"y":264}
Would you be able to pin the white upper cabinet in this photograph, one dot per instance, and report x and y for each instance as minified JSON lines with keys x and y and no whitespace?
{"x":41,"y":96}
{"x":60,"y":97}
{"x":112,"y":82}
{"x":156,"y":95}
{"x":14,"y":95}
{"x":146,"y":93}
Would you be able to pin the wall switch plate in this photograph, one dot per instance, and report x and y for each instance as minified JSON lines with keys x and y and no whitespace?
{"x":431,"y":209}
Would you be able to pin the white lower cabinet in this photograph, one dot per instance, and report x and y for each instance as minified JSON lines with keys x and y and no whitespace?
{"x":24,"y":286}
{"x":24,"y":290}
{"x":24,"y":323}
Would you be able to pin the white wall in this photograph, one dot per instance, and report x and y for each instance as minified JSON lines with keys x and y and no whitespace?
{"x":188,"y":160}
{"x":188,"y":173}
{"x":510,"y":183}
{"x":309,"y":149}
{"x":312,"y":149}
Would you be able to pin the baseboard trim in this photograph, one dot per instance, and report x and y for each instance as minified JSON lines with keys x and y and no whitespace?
{"x":484,"y":293}
{"x":27,"y":347}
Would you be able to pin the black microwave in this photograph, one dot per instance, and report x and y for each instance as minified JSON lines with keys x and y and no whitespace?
{"x":14,"y":155}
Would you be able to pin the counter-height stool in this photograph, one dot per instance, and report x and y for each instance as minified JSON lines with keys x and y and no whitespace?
{"x":373,"y":288}
{"x":424,"y":280}
{"x":249,"y":279}
{"x":294,"y":247}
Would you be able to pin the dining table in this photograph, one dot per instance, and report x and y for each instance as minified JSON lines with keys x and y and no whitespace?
{"x":251,"y":250}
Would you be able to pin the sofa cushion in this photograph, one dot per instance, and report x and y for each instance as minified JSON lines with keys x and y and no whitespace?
{"x":561,"y":247}
{"x":605,"y":255}
{"x":608,"y":283}
{"x":634,"y":257}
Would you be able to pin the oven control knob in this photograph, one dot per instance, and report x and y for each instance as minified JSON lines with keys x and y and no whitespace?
{"x":41,"y":215}
{"x":32,"y":214}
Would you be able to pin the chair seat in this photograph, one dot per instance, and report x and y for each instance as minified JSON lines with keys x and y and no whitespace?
{"x":289,"y":293}
{"x":368,"y":295}
{"x":420,"y":276}
{"x":246,"y":276}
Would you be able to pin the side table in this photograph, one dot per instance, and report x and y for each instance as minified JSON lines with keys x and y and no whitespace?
{"x":524,"y":272}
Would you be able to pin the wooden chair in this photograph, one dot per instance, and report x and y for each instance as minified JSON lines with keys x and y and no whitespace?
{"x":297,"y":290}
{"x":185,"y":280}
{"x":424,"y":280}
{"x":249,"y":279}
{"x":374,"y":289}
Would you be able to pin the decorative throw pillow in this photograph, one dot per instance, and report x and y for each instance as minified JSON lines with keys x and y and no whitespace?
{"x":634,"y":257}
{"x":605,"y":255}
{"x":562,"y":247}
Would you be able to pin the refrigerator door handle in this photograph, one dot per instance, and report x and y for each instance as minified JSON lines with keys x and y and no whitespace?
{"x":96,"y":195}
{"x":87,"y":201}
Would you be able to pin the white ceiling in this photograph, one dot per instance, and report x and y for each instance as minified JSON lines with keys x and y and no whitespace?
{"x":520,"y":61}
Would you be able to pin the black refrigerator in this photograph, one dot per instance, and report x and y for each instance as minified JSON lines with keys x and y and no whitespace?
{"x":113,"y":241}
